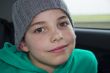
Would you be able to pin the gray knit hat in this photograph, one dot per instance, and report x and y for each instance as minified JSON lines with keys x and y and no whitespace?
{"x":24,"y":10}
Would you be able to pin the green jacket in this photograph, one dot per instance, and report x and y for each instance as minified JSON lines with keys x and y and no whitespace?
{"x":13,"y":61}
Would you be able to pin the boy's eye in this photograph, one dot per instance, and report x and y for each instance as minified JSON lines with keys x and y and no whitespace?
{"x":39,"y":30}
{"x":64,"y":24}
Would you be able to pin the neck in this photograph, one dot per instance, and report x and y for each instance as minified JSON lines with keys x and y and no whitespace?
{"x":48,"y":68}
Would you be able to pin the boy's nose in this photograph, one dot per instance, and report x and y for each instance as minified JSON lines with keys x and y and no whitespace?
{"x":56,"y":36}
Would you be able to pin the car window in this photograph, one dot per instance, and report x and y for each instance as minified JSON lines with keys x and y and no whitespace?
{"x":90,"y":13}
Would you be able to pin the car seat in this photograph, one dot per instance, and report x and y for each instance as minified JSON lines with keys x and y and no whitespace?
{"x":6,"y":32}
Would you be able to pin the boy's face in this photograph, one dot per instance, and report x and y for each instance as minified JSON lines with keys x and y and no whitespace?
{"x":50,"y":38}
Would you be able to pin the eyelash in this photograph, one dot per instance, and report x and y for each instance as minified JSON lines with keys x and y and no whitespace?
{"x":39,"y":30}
{"x":64,"y":24}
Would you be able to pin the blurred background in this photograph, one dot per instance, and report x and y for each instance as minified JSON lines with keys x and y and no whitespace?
{"x":90,"y":13}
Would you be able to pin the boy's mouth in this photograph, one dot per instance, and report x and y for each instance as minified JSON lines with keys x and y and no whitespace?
{"x":59,"y":49}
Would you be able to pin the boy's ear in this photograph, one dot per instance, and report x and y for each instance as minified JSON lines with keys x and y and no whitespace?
{"x":23,"y":47}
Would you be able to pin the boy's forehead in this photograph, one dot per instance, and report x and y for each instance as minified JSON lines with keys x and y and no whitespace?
{"x":42,"y":22}
{"x":45,"y":22}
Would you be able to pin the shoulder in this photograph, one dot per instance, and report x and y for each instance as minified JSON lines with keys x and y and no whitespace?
{"x":6,"y":54}
{"x":85,"y":59}
{"x":84,"y":54}
{"x":4,"y":67}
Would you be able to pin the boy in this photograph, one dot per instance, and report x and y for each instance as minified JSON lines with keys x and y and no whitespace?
{"x":44,"y":41}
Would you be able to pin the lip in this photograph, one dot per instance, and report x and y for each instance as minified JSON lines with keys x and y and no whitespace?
{"x":59,"y":49}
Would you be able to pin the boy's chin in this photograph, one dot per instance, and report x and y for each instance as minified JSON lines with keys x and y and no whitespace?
{"x":59,"y":62}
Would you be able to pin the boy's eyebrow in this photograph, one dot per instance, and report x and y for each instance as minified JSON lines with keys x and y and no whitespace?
{"x":62,"y":17}
{"x":37,"y":23}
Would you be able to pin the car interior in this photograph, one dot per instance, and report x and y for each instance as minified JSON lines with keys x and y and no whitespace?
{"x":97,"y":41}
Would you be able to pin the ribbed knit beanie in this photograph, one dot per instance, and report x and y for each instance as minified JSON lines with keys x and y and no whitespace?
{"x":23,"y":12}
